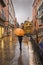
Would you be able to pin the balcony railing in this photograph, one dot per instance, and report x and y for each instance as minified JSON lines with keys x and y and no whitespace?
{"x":2,"y":16}
{"x":3,"y":3}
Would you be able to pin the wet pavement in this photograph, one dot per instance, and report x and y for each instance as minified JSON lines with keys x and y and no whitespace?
{"x":10,"y":54}
{"x":35,"y":54}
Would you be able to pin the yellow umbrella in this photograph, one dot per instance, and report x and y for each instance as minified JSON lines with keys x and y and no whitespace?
{"x":19,"y":32}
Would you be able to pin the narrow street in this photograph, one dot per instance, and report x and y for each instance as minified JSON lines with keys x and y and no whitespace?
{"x":21,"y":32}
{"x":10,"y":54}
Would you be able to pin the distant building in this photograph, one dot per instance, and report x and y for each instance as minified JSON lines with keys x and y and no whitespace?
{"x":22,"y":25}
{"x":16,"y":24}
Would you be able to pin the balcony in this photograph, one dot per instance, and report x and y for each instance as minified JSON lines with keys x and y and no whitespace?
{"x":3,"y":3}
{"x":2,"y":16}
{"x":40,"y":11}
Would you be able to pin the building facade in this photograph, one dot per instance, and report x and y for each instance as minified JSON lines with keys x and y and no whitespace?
{"x":16,"y":24}
{"x":11,"y":19}
{"x":40,"y":14}
{"x":37,"y":17}
{"x":2,"y":17}
{"x":7,"y":16}
{"x":37,"y":22}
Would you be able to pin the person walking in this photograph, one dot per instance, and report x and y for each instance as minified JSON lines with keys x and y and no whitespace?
{"x":19,"y":33}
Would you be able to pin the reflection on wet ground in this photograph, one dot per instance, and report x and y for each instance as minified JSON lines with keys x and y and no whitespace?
{"x":6,"y":52}
{"x":11,"y":55}
{"x":20,"y":61}
{"x":34,"y":56}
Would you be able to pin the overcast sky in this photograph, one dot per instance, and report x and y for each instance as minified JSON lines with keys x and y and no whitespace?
{"x":23,"y":9}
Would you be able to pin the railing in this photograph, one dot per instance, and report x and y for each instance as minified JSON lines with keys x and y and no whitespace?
{"x":2,"y":15}
{"x":40,"y":12}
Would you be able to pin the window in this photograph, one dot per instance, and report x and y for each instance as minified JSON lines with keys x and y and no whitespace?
{"x":39,"y":22}
{"x":3,"y":15}
{"x":3,"y":3}
{"x":42,"y":19}
{"x":11,"y":1}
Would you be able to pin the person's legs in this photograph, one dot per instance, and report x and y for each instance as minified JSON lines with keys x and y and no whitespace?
{"x":20,"y":42}
{"x":20,"y":45}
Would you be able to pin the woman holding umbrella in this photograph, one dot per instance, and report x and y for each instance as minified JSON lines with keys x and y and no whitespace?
{"x":20,"y":33}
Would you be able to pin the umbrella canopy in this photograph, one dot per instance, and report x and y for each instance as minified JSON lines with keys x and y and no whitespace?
{"x":19,"y":32}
